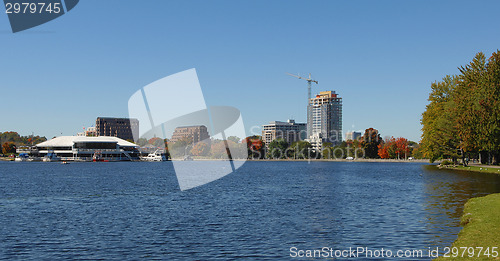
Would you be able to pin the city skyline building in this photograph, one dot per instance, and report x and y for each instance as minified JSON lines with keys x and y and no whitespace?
{"x":195,"y":133}
{"x":123,"y":128}
{"x":324,"y":119}
{"x":89,"y":132}
{"x":290,"y":131}
{"x":352,"y":135}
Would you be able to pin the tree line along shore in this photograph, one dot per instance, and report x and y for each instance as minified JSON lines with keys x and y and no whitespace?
{"x":462,"y":119}
{"x":460,"y":123}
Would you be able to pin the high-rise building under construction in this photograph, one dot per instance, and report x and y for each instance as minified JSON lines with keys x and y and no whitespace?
{"x":324,"y":119}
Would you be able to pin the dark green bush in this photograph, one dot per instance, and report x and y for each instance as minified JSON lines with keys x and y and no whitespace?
{"x":446,"y":163}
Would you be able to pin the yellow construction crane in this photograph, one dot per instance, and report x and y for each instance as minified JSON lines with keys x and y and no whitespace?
{"x":309,"y":81}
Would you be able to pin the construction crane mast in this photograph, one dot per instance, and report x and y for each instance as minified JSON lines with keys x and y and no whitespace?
{"x":309,"y":81}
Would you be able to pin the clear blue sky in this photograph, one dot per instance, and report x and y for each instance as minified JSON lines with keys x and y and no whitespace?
{"x":380,"y":56}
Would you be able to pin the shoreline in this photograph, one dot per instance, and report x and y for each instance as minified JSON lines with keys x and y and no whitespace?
{"x":491,"y":169}
{"x":480,"y":221}
{"x":292,"y":160}
{"x":317,"y":160}
{"x":345,"y":160}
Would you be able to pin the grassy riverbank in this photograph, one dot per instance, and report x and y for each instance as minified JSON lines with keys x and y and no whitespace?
{"x":483,"y":169}
{"x":481,"y":222}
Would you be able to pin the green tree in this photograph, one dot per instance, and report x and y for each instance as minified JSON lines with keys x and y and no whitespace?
{"x":142,"y":142}
{"x":157,"y":142}
{"x":18,"y":140}
{"x":234,"y":139}
{"x":439,"y":133}
{"x":33,"y":140}
{"x":354,"y":148}
{"x":416,"y":151}
{"x":300,"y":150}
{"x":9,"y":136}
{"x":477,"y":99}
{"x":370,"y":141}
{"x":219,"y":149}
{"x":326,"y":150}
{"x":277,"y":149}
{"x":178,"y":149}
{"x":463,"y":116}
{"x":339,"y":151}
{"x":238,"y":150}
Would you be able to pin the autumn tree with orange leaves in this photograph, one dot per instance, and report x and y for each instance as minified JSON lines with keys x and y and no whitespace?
{"x":393,"y":148}
{"x":9,"y":148}
{"x":200,"y":149}
{"x":255,"y":147}
{"x":157,"y":142}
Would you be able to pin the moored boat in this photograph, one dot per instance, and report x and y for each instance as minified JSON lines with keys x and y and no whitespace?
{"x":22,"y":157}
{"x":50,"y":157}
{"x":155,"y":156}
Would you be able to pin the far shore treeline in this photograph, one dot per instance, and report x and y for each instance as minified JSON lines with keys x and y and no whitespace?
{"x":10,"y":140}
{"x":462,"y":120}
{"x":369,"y":146}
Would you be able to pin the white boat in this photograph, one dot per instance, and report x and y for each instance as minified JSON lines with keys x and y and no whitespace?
{"x":22,"y":157}
{"x":51,"y":157}
{"x":155,"y":156}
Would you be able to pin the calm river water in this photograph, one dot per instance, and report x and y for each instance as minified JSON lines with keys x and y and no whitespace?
{"x":118,"y":211}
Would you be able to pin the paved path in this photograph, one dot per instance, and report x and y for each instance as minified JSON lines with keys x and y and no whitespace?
{"x":484,"y":166}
